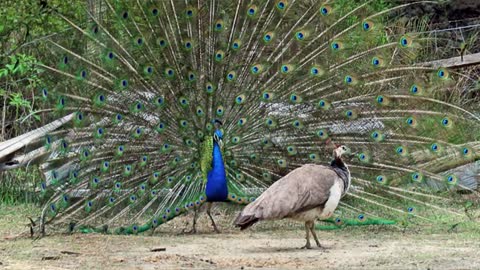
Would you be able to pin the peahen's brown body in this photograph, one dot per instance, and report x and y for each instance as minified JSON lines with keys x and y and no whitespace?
{"x":306,"y":194}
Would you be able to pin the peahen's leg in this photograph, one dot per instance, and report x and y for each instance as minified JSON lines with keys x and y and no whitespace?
{"x":312,"y":229}
{"x":209,"y":207}
{"x":307,"y":230}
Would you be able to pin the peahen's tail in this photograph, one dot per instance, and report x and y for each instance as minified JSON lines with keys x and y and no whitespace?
{"x":245,"y":222}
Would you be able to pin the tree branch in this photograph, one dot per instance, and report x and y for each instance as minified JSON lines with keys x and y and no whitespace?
{"x":454,"y":62}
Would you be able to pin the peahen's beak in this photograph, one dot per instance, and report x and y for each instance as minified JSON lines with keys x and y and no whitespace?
{"x":350,"y":155}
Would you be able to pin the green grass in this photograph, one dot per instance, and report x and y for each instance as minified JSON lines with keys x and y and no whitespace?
{"x":18,"y":186}
{"x":14,"y":218}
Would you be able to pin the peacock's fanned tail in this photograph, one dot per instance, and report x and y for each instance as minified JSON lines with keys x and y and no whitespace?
{"x":145,"y":79}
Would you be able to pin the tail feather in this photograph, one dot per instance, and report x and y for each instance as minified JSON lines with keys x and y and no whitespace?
{"x":245,"y":221}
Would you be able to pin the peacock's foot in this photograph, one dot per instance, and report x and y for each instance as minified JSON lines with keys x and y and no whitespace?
{"x":192,"y":231}
{"x":307,"y":246}
{"x":186,"y":231}
{"x":215,"y":228}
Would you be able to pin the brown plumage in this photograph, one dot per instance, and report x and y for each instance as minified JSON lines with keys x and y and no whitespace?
{"x":307,"y":193}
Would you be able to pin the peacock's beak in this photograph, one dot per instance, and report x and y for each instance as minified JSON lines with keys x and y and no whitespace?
{"x":220,"y":143}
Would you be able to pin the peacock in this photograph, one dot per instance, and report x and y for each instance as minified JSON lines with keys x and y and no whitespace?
{"x":161,"y":107}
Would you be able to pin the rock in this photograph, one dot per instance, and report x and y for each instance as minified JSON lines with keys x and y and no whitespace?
{"x":50,"y":258}
{"x":69,"y":252}
{"x":158,"y":249}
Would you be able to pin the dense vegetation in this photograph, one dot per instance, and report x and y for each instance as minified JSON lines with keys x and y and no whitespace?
{"x":24,"y":23}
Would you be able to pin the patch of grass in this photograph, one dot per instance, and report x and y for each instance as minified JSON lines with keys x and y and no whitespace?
{"x":13,"y":218}
{"x":18,"y":186}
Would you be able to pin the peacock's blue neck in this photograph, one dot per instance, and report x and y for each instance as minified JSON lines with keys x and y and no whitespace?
{"x":216,"y":189}
{"x":218,"y":164}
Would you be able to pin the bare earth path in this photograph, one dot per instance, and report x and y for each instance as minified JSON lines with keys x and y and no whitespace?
{"x":353,"y":248}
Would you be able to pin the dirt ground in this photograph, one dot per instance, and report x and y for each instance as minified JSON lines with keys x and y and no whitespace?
{"x":266,"y":246}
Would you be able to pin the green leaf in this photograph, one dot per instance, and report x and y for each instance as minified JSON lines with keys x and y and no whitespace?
{"x":18,"y":101}
{"x":3,"y":72}
{"x":10,"y":67}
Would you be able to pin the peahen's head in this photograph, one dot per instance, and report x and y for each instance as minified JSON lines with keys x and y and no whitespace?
{"x":341,"y":150}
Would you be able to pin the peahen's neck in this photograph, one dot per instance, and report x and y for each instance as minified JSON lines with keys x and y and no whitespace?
{"x":216,"y":189}
{"x":342,"y":170}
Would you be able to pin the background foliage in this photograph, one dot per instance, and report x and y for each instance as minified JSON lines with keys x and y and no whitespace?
{"x":23,"y":25}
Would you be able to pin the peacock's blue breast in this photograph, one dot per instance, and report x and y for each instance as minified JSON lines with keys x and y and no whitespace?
{"x":216,"y":189}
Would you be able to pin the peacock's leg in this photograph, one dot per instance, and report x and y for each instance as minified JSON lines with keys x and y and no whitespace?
{"x":312,"y":229}
{"x":209,"y":207}
{"x":307,"y":230}
{"x":195,"y":216}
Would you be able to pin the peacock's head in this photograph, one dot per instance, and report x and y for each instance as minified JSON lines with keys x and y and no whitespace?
{"x":218,"y":135}
{"x":341,"y":150}
{"x":218,"y":138}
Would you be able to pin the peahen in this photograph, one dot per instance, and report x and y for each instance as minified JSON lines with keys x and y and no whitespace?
{"x":145,"y":91}
{"x":306,"y":194}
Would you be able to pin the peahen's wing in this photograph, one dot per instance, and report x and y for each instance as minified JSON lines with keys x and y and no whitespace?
{"x":302,"y":189}
{"x":145,"y":80}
